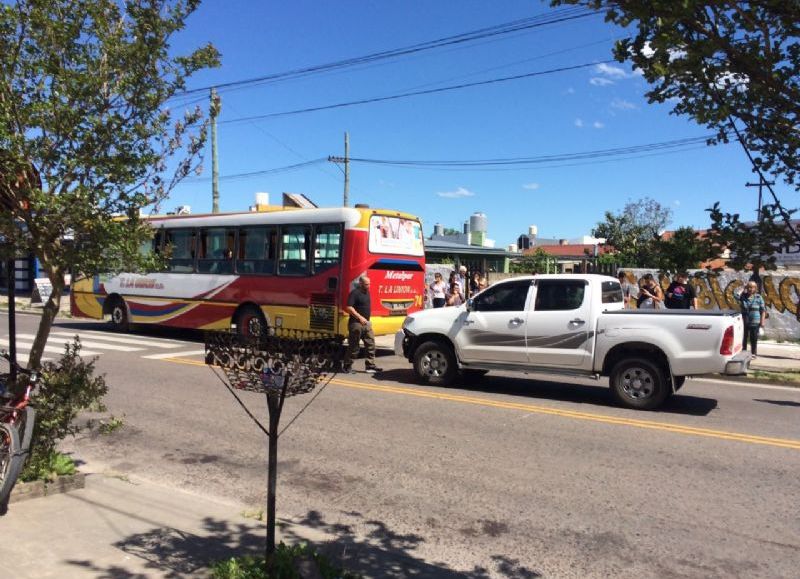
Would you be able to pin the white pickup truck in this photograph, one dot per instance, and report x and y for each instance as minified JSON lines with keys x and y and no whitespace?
{"x":573,"y":324}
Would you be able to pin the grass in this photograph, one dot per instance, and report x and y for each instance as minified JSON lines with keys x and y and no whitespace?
{"x":788,"y":377}
{"x":57,"y":465}
{"x":284,"y":563}
{"x":111,"y":424}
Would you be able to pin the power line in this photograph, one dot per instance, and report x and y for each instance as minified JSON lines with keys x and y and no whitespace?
{"x":563,"y":157}
{"x":417,"y":93}
{"x":251,"y":174}
{"x":553,"y":17}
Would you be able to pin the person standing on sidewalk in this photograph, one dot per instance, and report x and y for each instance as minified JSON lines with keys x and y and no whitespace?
{"x":753,"y":312}
{"x":359,"y":308}
{"x":680,"y":295}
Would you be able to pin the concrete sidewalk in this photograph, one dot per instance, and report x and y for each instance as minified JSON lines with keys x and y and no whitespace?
{"x":777,"y":357}
{"x":129,"y":529}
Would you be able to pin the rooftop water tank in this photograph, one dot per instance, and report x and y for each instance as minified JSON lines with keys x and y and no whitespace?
{"x":478,"y":222}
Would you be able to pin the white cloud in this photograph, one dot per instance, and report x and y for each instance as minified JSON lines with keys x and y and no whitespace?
{"x":579,"y":123}
{"x":457,"y":194}
{"x":600,"y":81}
{"x":570,"y":90}
{"x":531,"y":186}
{"x":610,"y":71}
{"x":622,"y":104}
{"x":598,"y":125}
{"x":677,"y":203}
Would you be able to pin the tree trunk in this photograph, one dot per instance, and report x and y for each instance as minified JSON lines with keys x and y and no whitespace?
{"x":49,"y":313}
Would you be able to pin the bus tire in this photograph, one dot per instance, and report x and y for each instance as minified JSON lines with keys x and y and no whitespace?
{"x":639,"y":384}
{"x":250,"y":321}
{"x":118,"y":315}
{"x":435,"y":364}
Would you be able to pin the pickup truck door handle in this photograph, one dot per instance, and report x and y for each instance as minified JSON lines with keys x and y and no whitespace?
{"x":517,"y":320}
{"x":577,"y":321}
{"x":468,"y":322}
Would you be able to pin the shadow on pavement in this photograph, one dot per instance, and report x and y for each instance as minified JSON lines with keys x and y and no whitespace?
{"x":544,"y":389}
{"x":385,"y":553}
{"x":382,"y":553}
{"x":777,"y":402}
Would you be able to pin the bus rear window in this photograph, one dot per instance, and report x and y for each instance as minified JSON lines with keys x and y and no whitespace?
{"x":395,"y":235}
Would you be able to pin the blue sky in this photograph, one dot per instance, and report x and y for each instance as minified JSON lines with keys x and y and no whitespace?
{"x":587,"y":109}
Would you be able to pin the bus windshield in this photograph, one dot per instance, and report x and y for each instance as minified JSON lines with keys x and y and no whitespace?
{"x":395,"y":235}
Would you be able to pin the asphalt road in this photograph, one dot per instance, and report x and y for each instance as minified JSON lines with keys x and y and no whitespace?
{"x":510,"y":477}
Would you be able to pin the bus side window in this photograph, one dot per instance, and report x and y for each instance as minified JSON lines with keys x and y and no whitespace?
{"x":181,"y":243}
{"x":215,"y":251}
{"x":294,"y":253}
{"x":256,"y":250}
{"x":327,"y":246}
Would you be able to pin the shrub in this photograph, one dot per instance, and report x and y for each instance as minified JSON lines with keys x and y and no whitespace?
{"x":282,"y":565}
{"x":66,"y":387}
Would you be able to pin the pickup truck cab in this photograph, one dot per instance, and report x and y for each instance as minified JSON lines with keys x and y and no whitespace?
{"x":573,"y":324}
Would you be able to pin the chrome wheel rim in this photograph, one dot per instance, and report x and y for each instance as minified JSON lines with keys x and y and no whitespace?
{"x":434,"y":363}
{"x":117,"y":315}
{"x":637,"y":383}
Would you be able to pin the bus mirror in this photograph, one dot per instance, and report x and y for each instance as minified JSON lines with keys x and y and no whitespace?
{"x":333,"y":283}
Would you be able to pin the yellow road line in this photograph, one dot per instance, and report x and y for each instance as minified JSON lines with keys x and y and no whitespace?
{"x":536,"y":409}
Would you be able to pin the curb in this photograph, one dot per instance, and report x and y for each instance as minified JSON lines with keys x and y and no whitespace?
{"x":24,"y":491}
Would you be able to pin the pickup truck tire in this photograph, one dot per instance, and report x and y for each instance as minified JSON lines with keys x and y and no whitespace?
{"x":638,"y":383}
{"x":435,"y":364}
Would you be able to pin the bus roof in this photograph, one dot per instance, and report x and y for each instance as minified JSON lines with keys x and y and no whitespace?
{"x":351,"y":216}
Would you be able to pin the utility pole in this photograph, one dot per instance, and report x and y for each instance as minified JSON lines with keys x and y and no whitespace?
{"x":761,"y":184}
{"x":346,"y":162}
{"x":214,"y":110}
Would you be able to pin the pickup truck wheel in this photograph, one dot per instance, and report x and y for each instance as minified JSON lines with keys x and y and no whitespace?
{"x":638,"y":383}
{"x":435,"y":363}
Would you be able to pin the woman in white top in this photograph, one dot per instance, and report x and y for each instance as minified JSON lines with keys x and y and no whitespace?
{"x":438,"y":290}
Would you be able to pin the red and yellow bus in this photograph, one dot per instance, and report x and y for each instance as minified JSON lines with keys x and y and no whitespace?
{"x":281,"y":268}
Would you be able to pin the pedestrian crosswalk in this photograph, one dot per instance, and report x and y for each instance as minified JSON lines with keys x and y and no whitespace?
{"x":96,"y":343}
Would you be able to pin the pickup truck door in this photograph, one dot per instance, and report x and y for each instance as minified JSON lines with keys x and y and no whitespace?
{"x":560,"y":326}
{"x":493,"y":327}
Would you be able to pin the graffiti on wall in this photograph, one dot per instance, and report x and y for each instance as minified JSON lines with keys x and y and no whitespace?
{"x":781,"y":292}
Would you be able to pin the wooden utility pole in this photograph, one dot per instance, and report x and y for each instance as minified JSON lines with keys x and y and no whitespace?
{"x":346,"y":162}
{"x":214,"y":110}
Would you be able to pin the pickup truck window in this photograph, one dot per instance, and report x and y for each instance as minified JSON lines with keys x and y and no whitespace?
{"x":506,"y":297}
{"x":611,"y":292}
{"x":559,"y":294}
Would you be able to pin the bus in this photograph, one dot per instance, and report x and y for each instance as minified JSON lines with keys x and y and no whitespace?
{"x":280,"y":268}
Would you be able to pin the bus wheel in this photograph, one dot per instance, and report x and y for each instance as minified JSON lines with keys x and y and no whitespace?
{"x":118,"y":315}
{"x":250,"y":322}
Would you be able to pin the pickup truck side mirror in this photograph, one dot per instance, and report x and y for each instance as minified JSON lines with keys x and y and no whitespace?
{"x":469,"y":305}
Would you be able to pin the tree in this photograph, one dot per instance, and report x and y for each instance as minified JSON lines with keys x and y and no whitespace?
{"x":734,"y":67}
{"x":451,"y":231}
{"x":538,"y":262}
{"x":634,"y":233}
{"x":684,"y":249}
{"x":85,"y":132}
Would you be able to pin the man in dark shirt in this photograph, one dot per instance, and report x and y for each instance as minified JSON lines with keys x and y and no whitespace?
{"x":359,"y":327}
{"x":680,"y":295}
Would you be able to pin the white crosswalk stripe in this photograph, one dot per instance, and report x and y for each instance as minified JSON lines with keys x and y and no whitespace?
{"x":166,"y":355}
{"x":143,"y":341}
{"x":89,"y":343}
{"x":26,"y":346}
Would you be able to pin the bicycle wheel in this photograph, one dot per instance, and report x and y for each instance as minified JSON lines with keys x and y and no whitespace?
{"x":10,"y":460}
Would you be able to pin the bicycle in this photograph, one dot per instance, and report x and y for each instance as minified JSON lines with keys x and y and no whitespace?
{"x":17,"y":419}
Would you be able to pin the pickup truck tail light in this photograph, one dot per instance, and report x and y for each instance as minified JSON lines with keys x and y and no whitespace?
{"x":726,"y":349}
